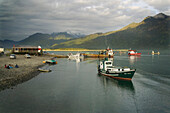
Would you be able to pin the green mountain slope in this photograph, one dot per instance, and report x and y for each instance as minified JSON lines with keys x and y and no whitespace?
{"x":152,"y":32}
{"x":47,"y":40}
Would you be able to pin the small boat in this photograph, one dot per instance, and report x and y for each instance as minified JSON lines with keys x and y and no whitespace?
{"x":106,"y":68}
{"x":153,"y":53}
{"x":50,"y":61}
{"x":133,"y":52}
{"x":76,"y":56}
{"x":44,"y":70}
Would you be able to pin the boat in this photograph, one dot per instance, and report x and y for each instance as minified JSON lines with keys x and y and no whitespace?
{"x":133,"y":52}
{"x":108,"y":53}
{"x":106,"y":68}
{"x":44,"y":70}
{"x":50,"y":61}
{"x":153,"y":53}
{"x":76,"y":56}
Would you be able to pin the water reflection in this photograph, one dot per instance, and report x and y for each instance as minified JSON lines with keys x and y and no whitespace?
{"x":77,"y":60}
{"x":106,"y":81}
{"x":133,"y":59}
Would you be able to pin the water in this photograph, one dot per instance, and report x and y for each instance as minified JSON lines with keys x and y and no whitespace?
{"x":75,"y":87}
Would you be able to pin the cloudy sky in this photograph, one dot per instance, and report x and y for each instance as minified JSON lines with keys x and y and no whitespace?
{"x":21,"y":18}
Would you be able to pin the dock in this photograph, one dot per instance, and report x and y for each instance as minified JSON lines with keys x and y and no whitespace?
{"x":88,"y":50}
{"x":57,"y":56}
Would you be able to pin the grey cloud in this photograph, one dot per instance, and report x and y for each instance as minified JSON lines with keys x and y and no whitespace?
{"x":160,"y":5}
{"x":21,"y":18}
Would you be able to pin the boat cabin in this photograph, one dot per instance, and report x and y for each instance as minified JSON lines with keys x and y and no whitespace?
{"x":132,"y":51}
{"x":104,"y":65}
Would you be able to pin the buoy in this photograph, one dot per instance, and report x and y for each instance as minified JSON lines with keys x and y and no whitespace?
{"x":44,"y":61}
{"x":56,"y":62}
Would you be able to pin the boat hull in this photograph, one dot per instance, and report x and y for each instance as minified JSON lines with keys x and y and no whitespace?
{"x":97,"y":56}
{"x":120,"y":76}
{"x":50,"y":61}
{"x":134,"y":53}
{"x":44,"y":70}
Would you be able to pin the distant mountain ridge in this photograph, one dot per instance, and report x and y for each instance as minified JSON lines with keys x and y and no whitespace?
{"x":152,"y":32}
{"x":7,"y":43}
{"x":44,"y":40}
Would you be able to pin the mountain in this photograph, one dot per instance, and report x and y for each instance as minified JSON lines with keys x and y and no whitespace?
{"x":7,"y":43}
{"x":47,"y":40}
{"x":152,"y":32}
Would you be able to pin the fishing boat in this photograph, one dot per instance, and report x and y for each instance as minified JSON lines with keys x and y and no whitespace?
{"x":106,"y":68}
{"x":133,"y":52}
{"x":108,"y":53}
{"x":50,"y":61}
{"x":44,"y":70}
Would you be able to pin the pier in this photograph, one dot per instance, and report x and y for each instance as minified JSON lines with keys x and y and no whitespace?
{"x":120,"y":50}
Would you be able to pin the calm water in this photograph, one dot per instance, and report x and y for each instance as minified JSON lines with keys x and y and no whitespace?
{"x":75,"y":87}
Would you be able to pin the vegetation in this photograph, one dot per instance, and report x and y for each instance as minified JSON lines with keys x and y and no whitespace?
{"x":152,"y":32}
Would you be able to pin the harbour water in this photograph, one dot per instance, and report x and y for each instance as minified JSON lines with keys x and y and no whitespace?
{"x":75,"y":87}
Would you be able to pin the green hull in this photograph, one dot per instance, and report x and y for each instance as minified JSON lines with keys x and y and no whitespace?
{"x":119,"y":75}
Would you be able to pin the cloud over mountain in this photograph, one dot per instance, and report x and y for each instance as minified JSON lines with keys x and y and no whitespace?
{"x":21,"y":18}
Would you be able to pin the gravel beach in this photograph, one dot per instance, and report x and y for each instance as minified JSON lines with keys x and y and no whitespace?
{"x":27,"y":69}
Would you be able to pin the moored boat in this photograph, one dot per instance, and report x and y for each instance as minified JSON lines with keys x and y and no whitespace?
{"x":133,"y":52}
{"x":106,"y":68}
{"x":76,"y":56}
{"x":50,"y":61}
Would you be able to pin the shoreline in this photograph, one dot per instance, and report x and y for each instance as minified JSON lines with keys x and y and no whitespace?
{"x":26,"y":71}
{"x":125,"y":50}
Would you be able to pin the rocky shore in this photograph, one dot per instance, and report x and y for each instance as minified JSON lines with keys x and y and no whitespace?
{"x":27,"y":69}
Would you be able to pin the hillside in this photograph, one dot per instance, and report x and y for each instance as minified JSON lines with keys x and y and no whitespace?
{"x":7,"y":43}
{"x":47,"y":40}
{"x":152,"y":32}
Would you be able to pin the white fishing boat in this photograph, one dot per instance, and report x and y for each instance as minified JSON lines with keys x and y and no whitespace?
{"x":76,"y":56}
{"x":106,"y":68}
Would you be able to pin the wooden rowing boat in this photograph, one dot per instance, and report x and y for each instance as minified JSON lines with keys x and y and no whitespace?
{"x":44,"y":70}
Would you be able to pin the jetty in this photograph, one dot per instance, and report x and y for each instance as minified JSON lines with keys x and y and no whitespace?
{"x":74,"y":49}
{"x":57,"y":56}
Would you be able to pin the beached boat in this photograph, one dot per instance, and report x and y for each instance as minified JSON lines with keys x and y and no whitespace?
{"x":106,"y":53}
{"x":44,"y":70}
{"x":133,"y":52}
{"x":106,"y":68}
{"x":50,"y":61}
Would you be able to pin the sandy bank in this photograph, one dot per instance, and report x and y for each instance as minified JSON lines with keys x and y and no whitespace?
{"x":27,"y":69}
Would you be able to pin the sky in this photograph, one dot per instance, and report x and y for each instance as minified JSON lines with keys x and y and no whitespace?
{"x":22,"y":18}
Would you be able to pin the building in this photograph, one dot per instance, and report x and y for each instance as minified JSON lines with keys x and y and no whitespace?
{"x":1,"y":50}
{"x":27,"y":50}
